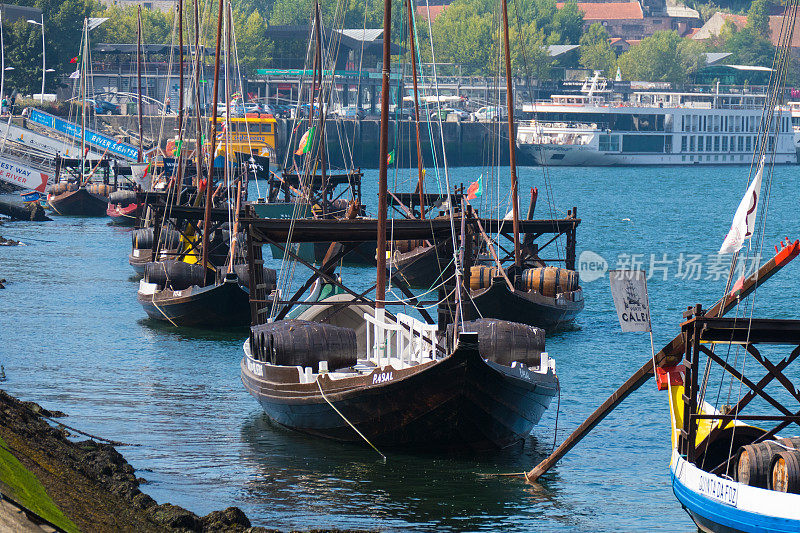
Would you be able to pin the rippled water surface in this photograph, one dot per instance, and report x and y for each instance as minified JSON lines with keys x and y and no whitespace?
{"x":74,"y":338}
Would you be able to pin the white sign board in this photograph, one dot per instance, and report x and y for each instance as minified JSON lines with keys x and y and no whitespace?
{"x":629,"y":289}
{"x":23,"y":177}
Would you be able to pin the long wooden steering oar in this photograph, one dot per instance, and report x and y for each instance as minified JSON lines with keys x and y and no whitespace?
{"x":668,"y":355}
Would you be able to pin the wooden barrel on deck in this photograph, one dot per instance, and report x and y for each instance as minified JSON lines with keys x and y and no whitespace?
{"x":480,"y":276}
{"x":785,"y":472}
{"x":405,"y":246}
{"x":549,"y":281}
{"x":101,"y":189}
{"x":61,"y":187}
{"x":304,"y":343}
{"x":124,"y":198}
{"x":754,"y":463}
{"x":506,"y":342}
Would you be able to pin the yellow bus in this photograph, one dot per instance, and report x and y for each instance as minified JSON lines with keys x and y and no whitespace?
{"x":250,"y":134}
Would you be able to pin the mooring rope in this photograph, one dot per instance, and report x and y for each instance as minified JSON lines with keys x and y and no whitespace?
{"x":319,"y":385}
{"x":85,"y":434}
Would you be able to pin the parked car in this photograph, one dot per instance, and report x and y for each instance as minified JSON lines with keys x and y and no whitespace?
{"x":490,"y":113}
{"x":445,"y":112}
{"x":351,"y":111}
{"x":281,"y":111}
{"x":103,"y":107}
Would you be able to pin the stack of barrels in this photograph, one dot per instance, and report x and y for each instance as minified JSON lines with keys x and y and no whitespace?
{"x":547,"y":281}
{"x":405,"y":246}
{"x":773,"y":465}
{"x":100,"y":189}
{"x":480,"y":276}
{"x":61,"y":187}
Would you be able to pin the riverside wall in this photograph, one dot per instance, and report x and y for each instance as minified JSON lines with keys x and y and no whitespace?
{"x":466,"y":143}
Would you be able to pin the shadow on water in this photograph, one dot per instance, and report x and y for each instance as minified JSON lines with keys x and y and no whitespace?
{"x":348,"y":483}
{"x":189,"y":333}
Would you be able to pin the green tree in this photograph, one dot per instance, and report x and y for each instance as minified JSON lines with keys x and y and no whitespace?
{"x":254,"y":50}
{"x":758,"y":18}
{"x":748,"y":48}
{"x":567,"y":24}
{"x":121,"y":26}
{"x":595,"y":50}
{"x":664,"y":56}
{"x":464,"y":37}
{"x":63,"y":23}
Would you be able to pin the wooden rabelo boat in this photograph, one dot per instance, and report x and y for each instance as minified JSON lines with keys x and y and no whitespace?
{"x":420,"y":392}
{"x":356,"y":372}
{"x":75,"y":192}
{"x":206,"y":283}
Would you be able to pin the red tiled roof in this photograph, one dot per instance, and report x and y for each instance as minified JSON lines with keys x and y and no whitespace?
{"x":775,"y":22}
{"x":435,"y":11}
{"x":691,"y":32}
{"x":739,"y":20}
{"x":609,"y":10}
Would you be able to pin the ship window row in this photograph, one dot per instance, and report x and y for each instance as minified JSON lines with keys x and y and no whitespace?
{"x":722,"y":143}
{"x":730,"y":123}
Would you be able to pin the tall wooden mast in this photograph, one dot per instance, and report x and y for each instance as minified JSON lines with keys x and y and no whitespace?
{"x":84,"y":57}
{"x":420,"y":168}
{"x":512,"y":158}
{"x":213,"y":134}
{"x":140,"y":157}
{"x":198,"y":143}
{"x":380,"y":285}
{"x":180,"y":94}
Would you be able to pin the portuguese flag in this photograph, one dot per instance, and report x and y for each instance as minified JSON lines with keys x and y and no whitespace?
{"x":306,"y":141}
{"x":475,"y":189}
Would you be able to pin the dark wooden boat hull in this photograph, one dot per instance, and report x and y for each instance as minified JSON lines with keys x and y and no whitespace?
{"x":525,"y":307}
{"x":79,"y":203}
{"x":123,"y":215}
{"x":223,"y":305}
{"x":419,"y":268}
{"x":462,"y":402}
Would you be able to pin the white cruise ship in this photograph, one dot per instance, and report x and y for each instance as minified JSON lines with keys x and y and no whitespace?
{"x":651,"y":128}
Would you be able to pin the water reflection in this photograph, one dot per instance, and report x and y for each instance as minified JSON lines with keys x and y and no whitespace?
{"x":337,"y":483}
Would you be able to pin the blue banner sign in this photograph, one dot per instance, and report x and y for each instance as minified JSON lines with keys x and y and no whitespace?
{"x":93,"y":138}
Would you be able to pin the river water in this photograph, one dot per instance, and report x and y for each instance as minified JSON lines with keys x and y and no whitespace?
{"x":74,"y":338}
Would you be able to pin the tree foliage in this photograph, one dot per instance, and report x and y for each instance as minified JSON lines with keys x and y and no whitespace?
{"x":664,"y":56}
{"x":758,"y":18}
{"x":63,"y":23}
{"x":596,"y":52}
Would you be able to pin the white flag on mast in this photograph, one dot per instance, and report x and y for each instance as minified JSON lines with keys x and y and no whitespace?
{"x":744,"y":221}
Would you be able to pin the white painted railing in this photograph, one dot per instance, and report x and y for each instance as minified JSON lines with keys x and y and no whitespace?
{"x":403,"y":343}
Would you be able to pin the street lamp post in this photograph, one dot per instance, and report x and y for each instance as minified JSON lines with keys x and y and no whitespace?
{"x":31,"y":21}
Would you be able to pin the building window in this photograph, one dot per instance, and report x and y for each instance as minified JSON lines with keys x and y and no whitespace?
{"x":724,"y":144}
{"x":740,"y":147}
{"x":708,"y":143}
{"x":716,"y":143}
{"x":699,"y":143}
{"x":749,"y":143}
{"x":691,"y":143}
{"x":683,"y":143}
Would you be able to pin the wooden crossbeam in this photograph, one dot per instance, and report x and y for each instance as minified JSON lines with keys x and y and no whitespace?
{"x":668,"y":355}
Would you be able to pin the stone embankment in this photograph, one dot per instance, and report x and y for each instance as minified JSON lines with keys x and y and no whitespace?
{"x":82,"y":486}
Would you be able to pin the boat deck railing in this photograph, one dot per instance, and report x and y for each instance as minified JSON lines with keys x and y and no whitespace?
{"x":406,"y":342}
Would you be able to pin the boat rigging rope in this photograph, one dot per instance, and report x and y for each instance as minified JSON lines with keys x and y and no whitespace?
{"x":322,"y":392}
{"x":775,"y":91}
